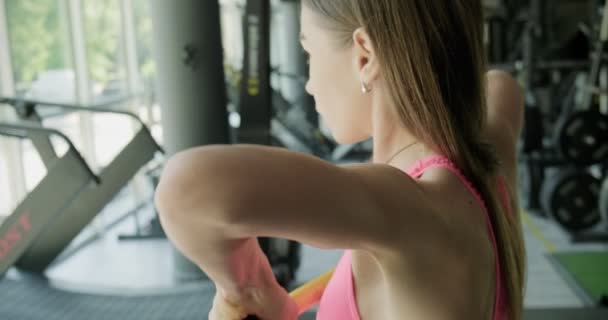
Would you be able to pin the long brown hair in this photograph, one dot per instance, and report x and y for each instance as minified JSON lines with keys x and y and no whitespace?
{"x":433,"y":61}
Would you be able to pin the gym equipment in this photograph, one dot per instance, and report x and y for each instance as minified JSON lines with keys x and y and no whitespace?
{"x":284,"y":257}
{"x":570,"y":197}
{"x":290,"y":118}
{"x":600,"y":234}
{"x":531,"y":176}
{"x":45,"y":203}
{"x":579,"y":131}
{"x":582,"y":132}
{"x":539,"y":78}
{"x":76,"y":214}
{"x":597,"y":58}
{"x":497,"y":46}
{"x":603,"y":202}
{"x":532,"y":172}
{"x":582,"y":137}
{"x":255,"y":103}
{"x":292,"y":127}
{"x":153,"y":228}
{"x":533,"y":132}
{"x":255,"y":107}
{"x":582,"y":129}
{"x":581,"y":140}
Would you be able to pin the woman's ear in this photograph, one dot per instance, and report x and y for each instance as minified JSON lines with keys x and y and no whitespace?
{"x":365,"y":61}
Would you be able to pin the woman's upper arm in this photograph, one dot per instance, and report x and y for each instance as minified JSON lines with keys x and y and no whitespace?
{"x":505,"y":103}
{"x":272,"y":192}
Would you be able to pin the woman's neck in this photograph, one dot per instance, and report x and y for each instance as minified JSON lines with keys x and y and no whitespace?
{"x":399,"y":150}
{"x":392,"y":143}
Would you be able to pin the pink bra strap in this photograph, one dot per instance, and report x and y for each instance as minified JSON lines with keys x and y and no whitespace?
{"x":439,"y":161}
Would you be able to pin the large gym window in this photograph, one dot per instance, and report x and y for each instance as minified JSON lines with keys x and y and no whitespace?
{"x":83,"y":52}
{"x":5,"y":194}
{"x":148,"y":108}
{"x":143,"y":40}
{"x":41,"y":62}
{"x":104,"y":45}
{"x":39,"y":47}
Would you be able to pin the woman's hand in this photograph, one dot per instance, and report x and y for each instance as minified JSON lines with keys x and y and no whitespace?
{"x":271,"y":302}
{"x":254,"y":291}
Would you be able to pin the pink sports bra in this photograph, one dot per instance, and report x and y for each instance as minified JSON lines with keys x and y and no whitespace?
{"x":339,"y":302}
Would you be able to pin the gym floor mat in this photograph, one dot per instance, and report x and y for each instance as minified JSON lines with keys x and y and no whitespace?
{"x":588,"y":269}
{"x":35,"y":300}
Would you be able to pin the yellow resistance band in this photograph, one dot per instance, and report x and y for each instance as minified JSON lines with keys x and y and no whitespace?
{"x":310,"y":293}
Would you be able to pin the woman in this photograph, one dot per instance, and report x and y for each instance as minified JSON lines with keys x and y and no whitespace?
{"x":428,"y":226}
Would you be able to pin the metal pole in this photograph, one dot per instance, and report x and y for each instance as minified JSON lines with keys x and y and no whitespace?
{"x":190,"y":84}
{"x":255,"y":103}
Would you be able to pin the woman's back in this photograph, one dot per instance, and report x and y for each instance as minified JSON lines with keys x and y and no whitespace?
{"x":367,"y":286}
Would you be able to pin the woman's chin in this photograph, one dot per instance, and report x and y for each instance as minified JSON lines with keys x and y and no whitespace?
{"x":348,"y":138}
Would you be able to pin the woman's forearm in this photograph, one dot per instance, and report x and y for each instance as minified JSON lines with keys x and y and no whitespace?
{"x":232,"y":264}
{"x":197,"y":223}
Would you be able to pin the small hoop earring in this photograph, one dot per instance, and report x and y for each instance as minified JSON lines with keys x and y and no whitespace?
{"x":364,"y":88}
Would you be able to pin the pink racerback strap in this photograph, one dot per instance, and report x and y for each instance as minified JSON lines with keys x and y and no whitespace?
{"x":442,"y":162}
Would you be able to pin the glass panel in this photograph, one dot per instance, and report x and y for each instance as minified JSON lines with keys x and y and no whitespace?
{"x":104,"y":39}
{"x":104,"y":45}
{"x":232,"y":33}
{"x":4,"y":179}
{"x":34,"y":168}
{"x":40,"y":49}
{"x":112,"y":133}
{"x":149,"y":109}
{"x":143,"y":37}
{"x":38,"y":34}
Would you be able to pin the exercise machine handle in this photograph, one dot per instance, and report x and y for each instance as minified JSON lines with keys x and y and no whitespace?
{"x":22,"y":131}
{"x":26,"y":107}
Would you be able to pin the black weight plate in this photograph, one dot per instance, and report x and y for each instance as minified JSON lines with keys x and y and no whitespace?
{"x":603,"y":205}
{"x":531,"y":175}
{"x":570,"y":197}
{"x":582,"y":138}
